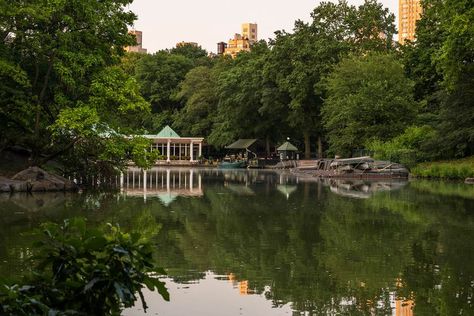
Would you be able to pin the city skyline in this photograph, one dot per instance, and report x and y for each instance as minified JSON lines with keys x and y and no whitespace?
{"x":208,"y":22}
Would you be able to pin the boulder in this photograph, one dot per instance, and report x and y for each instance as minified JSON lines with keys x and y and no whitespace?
{"x":9,"y":185}
{"x":5,"y":184}
{"x":40,"y":180}
{"x":469,"y":181}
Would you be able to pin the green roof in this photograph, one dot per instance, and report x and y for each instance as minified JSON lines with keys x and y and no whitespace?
{"x":287,"y":146}
{"x":241,"y":144}
{"x":168,"y":132}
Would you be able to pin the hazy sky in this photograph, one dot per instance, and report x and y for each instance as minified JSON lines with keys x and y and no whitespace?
{"x":165,"y":23}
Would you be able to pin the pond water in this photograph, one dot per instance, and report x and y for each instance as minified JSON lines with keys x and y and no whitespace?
{"x":266,"y":243}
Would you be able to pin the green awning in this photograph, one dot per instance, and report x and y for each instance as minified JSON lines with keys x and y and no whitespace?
{"x":242,"y":144}
{"x":287,"y":146}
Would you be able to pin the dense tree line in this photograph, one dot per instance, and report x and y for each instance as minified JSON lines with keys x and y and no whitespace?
{"x":334,"y":85}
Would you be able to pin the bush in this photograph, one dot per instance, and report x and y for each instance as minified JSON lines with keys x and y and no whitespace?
{"x":451,"y":169}
{"x":82,"y":271}
{"x":408,"y":148}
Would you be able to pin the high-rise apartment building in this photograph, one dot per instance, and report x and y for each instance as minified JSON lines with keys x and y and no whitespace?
{"x":137,"y":48}
{"x":409,"y":11}
{"x":249,"y":31}
{"x":240,"y":42}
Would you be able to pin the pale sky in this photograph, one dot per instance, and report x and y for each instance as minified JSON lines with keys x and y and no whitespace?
{"x":207,"y":22}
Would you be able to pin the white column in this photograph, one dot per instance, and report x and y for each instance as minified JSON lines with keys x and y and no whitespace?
{"x":144,"y":185}
{"x":191,"y":175}
{"x":200,"y":150}
{"x":199,"y":182}
{"x":168,"y":149}
{"x":168,"y":180}
{"x":191,"y":150}
{"x":121,"y":179}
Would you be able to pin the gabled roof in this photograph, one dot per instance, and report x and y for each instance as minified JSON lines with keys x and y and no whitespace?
{"x":287,"y":146}
{"x":241,"y":144}
{"x":168,"y":132}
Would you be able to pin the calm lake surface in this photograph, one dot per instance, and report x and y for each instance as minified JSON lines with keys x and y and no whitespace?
{"x":267,"y":243}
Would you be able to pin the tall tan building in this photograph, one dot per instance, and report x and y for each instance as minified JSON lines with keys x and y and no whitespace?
{"x":249,"y":31}
{"x":240,"y":42}
{"x":137,"y":48}
{"x":409,"y":11}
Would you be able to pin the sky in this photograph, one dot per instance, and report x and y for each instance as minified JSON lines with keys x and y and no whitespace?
{"x":207,"y":22}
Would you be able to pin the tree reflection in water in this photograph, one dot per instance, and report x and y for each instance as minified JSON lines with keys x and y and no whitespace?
{"x":353,"y":248}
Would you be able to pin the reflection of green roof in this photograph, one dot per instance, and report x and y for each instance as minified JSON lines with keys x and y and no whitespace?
{"x":287,"y":146}
{"x":167,"y":132}
{"x":286,"y":189}
{"x":167,"y":198}
{"x":241,"y":144}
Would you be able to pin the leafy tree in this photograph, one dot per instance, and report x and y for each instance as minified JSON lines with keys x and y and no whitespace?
{"x":195,"y":53}
{"x":456,"y":61}
{"x":440,"y":63}
{"x":302,"y":60}
{"x":368,"y":97}
{"x":248,"y":106}
{"x":199,"y":92}
{"x":159,"y":76}
{"x":58,"y":59}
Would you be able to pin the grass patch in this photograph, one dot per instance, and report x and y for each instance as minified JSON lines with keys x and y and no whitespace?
{"x":449,"y":169}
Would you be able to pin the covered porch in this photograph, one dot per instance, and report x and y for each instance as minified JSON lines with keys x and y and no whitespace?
{"x":173,"y":147}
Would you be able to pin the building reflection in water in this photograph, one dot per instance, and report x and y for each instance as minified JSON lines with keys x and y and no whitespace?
{"x":404,"y":307}
{"x":243,"y":285}
{"x":166,"y":184}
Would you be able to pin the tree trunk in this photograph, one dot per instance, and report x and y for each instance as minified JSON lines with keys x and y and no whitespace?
{"x":267,"y":146}
{"x":307,"y":146}
{"x":320,"y":147}
{"x":36,"y":149}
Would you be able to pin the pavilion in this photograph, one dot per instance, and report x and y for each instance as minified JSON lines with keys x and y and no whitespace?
{"x":175,"y":147}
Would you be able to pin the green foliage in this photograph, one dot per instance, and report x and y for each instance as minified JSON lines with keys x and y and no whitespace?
{"x":83,"y":271}
{"x":159,"y":76}
{"x":408,"y":148}
{"x":248,"y":105}
{"x":440,"y":63}
{"x":58,"y":61}
{"x":368,"y":97}
{"x":451,"y":169}
{"x":195,"y":53}
{"x":198,"y":90}
{"x":141,"y":154}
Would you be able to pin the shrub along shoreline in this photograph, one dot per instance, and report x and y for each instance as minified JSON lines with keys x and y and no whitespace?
{"x":459,"y":169}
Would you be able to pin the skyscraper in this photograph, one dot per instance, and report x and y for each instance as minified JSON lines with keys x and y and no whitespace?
{"x":409,"y":11}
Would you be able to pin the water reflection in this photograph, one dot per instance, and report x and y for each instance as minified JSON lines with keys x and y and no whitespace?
{"x":291,"y":246}
{"x":166,"y":184}
{"x":362,"y":189}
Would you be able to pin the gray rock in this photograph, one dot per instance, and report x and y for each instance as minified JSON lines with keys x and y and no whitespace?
{"x":469,"y":181}
{"x":5,"y":184}
{"x":40,"y":180}
{"x":9,"y":185}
